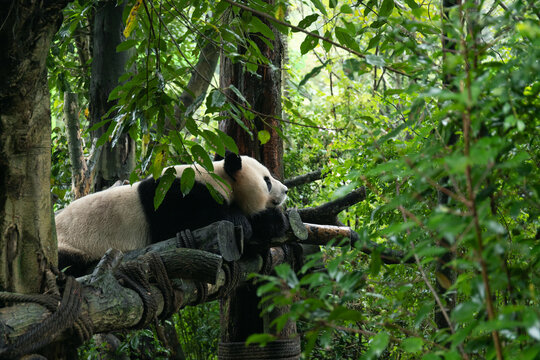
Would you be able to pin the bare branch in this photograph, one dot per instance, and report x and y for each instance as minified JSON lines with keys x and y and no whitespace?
{"x":327,"y":213}
{"x":304,"y":179}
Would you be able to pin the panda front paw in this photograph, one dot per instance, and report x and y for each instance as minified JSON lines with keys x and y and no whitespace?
{"x":268,"y":224}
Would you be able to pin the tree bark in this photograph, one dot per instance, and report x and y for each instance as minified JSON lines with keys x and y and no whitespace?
{"x":200,"y":79}
{"x":263,"y":94}
{"x":26,"y":241}
{"x":81,"y":180}
{"x":115,"y":163}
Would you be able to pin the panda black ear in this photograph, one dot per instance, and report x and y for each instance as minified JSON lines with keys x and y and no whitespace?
{"x":233,"y":163}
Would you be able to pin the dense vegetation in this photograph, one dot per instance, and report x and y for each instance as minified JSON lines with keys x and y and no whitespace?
{"x":444,"y":135}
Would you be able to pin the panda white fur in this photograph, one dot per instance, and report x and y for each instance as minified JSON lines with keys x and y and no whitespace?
{"x":124,"y":218}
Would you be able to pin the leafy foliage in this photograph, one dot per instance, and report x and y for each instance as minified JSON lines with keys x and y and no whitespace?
{"x":445,"y":139}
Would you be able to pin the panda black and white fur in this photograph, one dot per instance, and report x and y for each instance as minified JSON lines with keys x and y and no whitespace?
{"x":123,"y":217}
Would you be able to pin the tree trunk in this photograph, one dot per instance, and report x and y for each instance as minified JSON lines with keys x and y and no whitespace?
{"x":26,"y":241}
{"x":445,"y":273}
{"x":107,"y":66}
{"x":240,"y":312}
{"x":263,"y":93}
{"x":81,"y":181}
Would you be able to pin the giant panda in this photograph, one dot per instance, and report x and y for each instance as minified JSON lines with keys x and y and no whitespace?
{"x":123,"y":217}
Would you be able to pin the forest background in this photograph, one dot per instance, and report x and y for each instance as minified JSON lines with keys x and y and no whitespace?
{"x":433,"y":107}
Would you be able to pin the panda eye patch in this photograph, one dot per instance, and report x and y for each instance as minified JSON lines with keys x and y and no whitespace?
{"x":268,"y":183}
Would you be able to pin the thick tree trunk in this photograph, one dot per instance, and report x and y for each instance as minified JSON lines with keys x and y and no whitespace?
{"x":263,"y":93}
{"x":240,"y":311}
{"x":107,"y":66}
{"x":26,"y":241}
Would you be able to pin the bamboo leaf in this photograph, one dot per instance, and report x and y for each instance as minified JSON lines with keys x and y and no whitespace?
{"x":164,"y":185}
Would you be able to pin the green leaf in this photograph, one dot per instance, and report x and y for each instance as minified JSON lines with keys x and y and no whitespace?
{"x":227,"y":141}
{"x":386,"y":8}
{"x":215,"y":100}
{"x":377,"y":345}
{"x":314,"y":72}
{"x":261,"y":339}
{"x":345,"y":314}
{"x":214,"y":141}
{"x":375,"y":264}
{"x":425,"y":310}
{"x":187,"y":180}
{"x":373,"y":42}
{"x":308,"y":20}
{"x":125,"y":45}
{"x":325,"y":44}
{"x":256,"y":25}
{"x":465,"y":311}
{"x":308,"y":44}
{"x":319,"y":5}
{"x":345,"y":39}
{"x":164,"y":185}
{"x":105,"y":137}
{"x":264,"y":136}
{"x":412,"y":4}
{"x":285,"y":272}
{"x":238,"y":93}
{"x":431,"y":356}
{"x":201,"y":156}
{"x":346,"y":9}
{"x":412,"y":345}
{"x":375,"y":60}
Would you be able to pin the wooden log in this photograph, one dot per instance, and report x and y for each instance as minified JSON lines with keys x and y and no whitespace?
{"x":221,"y":237}
{"x":112,"y":307}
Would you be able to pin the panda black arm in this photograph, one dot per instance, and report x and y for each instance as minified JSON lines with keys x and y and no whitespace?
{"x":268,"y":224}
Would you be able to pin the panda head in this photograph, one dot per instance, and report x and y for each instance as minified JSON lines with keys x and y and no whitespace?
{"x":254,"y":189}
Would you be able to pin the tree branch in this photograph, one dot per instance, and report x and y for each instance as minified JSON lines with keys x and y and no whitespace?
{"x":327,"y":213}
{"x":304,"y":179}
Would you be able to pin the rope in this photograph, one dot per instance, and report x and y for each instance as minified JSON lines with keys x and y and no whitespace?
{"x":202,"y":293}
{"x":232,"y":278}
{"x":185,"y":239}
{"x":63,"y":317}
{"x":135,"y":278}
{"x":164,"y":284}
{"x":287,"y":349}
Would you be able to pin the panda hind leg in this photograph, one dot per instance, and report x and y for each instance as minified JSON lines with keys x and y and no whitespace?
{"x":74,"y":263}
